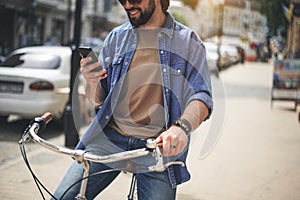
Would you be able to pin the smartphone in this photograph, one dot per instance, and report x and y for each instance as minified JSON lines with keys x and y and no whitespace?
{"x":88,"y":52}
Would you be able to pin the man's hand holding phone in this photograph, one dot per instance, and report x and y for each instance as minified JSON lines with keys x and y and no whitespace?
{"x":90,"y":67}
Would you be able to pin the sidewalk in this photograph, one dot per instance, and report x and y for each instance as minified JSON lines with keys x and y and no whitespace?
{"x":257,"y":155}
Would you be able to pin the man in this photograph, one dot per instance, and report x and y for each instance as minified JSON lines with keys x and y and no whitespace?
{"x":155,"y":84}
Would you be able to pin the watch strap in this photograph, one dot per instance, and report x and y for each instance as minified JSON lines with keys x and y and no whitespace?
{"x":184,"y":125}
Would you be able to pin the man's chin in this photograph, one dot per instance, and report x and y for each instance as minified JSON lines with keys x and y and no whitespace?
{"x":134,"y":22}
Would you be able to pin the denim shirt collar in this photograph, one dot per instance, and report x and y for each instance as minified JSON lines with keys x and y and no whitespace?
{"x":168,"y":28}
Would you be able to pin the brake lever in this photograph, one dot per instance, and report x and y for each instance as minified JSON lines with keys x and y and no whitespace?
{"x":159,"y":166}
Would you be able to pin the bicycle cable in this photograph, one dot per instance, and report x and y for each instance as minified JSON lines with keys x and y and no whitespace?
{"x":81,"y":179}
{"x":40,"y":185}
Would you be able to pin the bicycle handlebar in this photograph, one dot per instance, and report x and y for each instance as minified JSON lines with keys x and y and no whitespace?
{"x":80,"y":156}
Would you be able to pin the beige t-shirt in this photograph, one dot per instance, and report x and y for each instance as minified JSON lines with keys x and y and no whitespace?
{"x":139,"y":112}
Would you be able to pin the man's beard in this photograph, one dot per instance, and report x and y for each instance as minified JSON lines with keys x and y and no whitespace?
{"x":144,"y":16}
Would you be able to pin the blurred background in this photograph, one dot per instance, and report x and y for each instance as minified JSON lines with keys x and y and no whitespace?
{"x":250,"y":24}
{"x":248,"y":149}
{"x":234,"y":31}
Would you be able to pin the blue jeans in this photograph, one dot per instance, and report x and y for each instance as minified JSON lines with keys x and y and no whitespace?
{"x":151,"y":185}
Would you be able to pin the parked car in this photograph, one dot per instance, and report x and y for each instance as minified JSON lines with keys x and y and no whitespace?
{"x":229,"y":55}
{"x":212,"y":57}
{"x":34,"y":80}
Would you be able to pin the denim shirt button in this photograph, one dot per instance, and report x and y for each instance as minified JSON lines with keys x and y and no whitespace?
{"x":106,"y":117}
{"x":178,"y":71}
{"x":126,"y":63}
{"x":167,"y":90}
{"x":161,"y":52}
{"x":164,"y":70}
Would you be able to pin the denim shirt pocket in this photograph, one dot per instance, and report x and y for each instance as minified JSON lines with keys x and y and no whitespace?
{"x":177,"y":68}
{"x":177,"y":65}
{"x":116,"y":67}
{"x":178,"y":83}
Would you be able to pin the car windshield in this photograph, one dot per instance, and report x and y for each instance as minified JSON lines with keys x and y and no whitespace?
{"x":32,"y":60}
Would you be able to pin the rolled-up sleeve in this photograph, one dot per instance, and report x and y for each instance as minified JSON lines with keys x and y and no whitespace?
{"x":198,"y":75}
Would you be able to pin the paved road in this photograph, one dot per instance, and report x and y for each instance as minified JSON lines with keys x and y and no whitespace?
{"x":256,"y":155}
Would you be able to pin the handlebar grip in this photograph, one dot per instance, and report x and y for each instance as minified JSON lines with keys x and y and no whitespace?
{"x":47,"y":117}
{"x":43,"y":120}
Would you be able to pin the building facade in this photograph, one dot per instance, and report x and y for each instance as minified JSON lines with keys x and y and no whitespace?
{"x":36,"y":22}
{"x":245,"y":25}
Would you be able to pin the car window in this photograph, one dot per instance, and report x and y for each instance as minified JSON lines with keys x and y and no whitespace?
{"x":32,"y":60}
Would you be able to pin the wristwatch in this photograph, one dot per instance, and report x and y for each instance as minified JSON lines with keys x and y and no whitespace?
{"x":184,"y":125}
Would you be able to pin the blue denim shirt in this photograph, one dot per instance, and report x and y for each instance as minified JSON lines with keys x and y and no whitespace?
{"x":185,"y":77}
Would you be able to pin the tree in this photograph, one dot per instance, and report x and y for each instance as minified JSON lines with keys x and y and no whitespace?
{"x":180,"y":18}
{"x":275,"y":15}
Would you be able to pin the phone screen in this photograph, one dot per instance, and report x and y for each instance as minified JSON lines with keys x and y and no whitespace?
{"x":88,"y":52}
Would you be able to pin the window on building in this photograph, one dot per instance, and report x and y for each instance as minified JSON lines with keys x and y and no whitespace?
{"x":107,"y":5}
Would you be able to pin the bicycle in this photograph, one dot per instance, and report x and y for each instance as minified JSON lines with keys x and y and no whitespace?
{"x":82,"y":157}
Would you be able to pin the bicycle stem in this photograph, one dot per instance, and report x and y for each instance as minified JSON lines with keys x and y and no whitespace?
{"x":86,"y":168}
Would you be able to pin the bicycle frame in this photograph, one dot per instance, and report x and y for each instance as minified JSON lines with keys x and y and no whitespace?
{"x":84,"y":157}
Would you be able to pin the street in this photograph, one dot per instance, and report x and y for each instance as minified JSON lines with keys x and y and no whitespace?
{"x":247,"y":150}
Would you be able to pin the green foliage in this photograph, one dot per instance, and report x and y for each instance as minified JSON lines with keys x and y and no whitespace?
{"x":180,"y":18}
{"x":275,"y":16}
{"x":191,"y":3}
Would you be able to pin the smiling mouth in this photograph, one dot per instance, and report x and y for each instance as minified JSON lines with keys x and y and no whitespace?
{"x":133,"y":12}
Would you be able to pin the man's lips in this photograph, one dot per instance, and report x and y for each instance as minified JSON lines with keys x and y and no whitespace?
{"x":133,"y":12}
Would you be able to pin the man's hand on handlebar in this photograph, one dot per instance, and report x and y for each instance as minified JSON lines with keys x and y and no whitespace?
{"x":173,"y":140}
